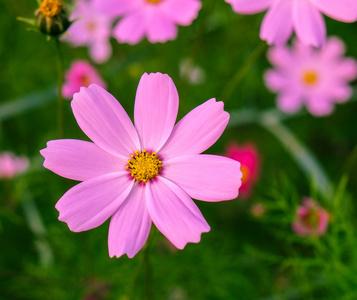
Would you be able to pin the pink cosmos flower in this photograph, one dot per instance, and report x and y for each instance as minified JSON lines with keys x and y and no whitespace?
{"x":302,"y":16}
{"x":313,"y":77}
{"x":10,"y":165}
{"x":142,"y":174}
{"x":90,"y":28}
{"x":81,"y":73}
{"x":311,"y":219}
{"x":155,"y":19}
{"x":249,"y":159}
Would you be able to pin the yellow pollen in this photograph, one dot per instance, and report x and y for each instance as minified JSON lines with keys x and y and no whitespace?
{"x":50,"y":8}
{"x":154,"y":1}
{"x":310,"y":78}
{"x":144,"y":166}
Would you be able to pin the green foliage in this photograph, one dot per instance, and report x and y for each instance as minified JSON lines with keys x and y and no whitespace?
{"x":242,"y":257}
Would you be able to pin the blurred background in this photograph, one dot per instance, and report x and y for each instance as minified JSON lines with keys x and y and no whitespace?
{"x":252,"y":250}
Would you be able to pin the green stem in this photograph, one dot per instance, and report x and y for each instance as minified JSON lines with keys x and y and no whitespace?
{"x":148,"y":271}
{"x":60,"y":69}
{"x":144,"y":263}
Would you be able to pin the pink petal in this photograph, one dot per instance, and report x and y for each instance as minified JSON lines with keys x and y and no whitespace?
{"x":308,"y":23}
{"x":80,"y":160}
{"x":130,"y":225}
{"x":90,"y":203}
{"x":277,"y":24}
{"x":319,"y":105}
{"x":174,"y":213}
{"x":156,"y":106}
{"x":275,"y":81}
{"x":205,"y":177}
{"x":249,"y":6}
{"x":159,"y":27}
{"x":281,"y":57}
{"x":332,"y":49}
{"x":115,"y":8}
{"x":197,"y":131}
{"x":104,"y":121}
{"x":340,"y":92}
{"x":289,"y":102}
{"x":131,"y":29}
{"x":100,"y":51}
{"x":346,"y":69}
{"x":182,"y":12}
{"x":341,"y":10}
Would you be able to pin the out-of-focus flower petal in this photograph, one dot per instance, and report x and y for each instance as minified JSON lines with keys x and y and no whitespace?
{"x":341,"y":10}
{"x":182,"y":12}
{"x":114,"y":8}
{"x":249,"y":6}
{"x":289,"y":102}
{"x":320,"y":105}
{"x":131,"y":29}
{"x":160,"y":28}
{"x":308,"y":23}
{"x":277,"y":24}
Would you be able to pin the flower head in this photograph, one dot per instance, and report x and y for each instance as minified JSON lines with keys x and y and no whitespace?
{"x":10,"y":165}
{"x":155,"y":19}
{"x":81,"y":73}
{"x":52,"y":17}
{"x":311,"y":219}
{"x":142,"y":174}
{"x":249,"y":159}
{"x":90,"y":28}
{"x":313,"y":77}
{"x":302,"y":16}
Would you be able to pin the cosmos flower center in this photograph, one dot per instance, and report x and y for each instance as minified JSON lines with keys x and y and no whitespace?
{"x":311,"y":219}
{"x":245,"y":173}
{"x":85,"y":80}
{"x":154,"y":1}
{"x":144,"y":165}
{"x":310,"y":78}
{"x":50,"y":8}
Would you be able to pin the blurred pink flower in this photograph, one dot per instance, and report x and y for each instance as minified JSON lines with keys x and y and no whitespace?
{"x":142,"y":174}
{"x":258,"y":210}
{"x":311,"y":219}
{"x":81,"y":73}
{"x":302,"y":16}
{"x":314,"y":77}
{"x":10,"y":165}
{"x":155,"y":19}
{"x":249,"y":159}
{"x":90,"y":28}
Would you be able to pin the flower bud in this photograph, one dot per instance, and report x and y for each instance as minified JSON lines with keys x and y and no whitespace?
{"x":52,"y":17}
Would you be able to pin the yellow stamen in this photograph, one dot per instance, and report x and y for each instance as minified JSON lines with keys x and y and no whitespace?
{"x":144,"y":166}
{"x":50,"y":8}
{"x":154,"y":1}
{"x":310,"y":78}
